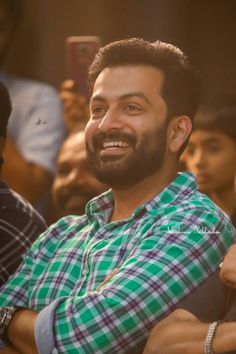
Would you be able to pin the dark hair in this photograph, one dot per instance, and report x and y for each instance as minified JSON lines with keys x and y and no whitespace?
{"x":5,"y":110}
{"x":181,"y":85}
{"x":14,"y":10}
{"x":217,"y":114}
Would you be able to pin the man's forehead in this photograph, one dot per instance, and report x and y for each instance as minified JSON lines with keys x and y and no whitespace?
{"x":128,"y":79}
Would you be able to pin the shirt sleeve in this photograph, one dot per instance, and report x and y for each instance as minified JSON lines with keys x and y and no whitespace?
{"x":119,"y":315}
{"x":15,"y":291}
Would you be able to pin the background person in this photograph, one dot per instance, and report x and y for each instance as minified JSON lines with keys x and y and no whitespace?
{"x":211,"y":151}
{"x":36,"y":129}
{"x":20,"y":224}
{"x":74,"y":184}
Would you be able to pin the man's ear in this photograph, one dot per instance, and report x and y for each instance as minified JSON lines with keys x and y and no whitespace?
{"x":179,"y":131}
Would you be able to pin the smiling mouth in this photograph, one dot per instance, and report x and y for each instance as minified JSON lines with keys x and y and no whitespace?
{"x":113,"y":148}
{"x":113,"y":144}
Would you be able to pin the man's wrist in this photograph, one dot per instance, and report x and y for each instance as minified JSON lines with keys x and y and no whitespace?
{"x":6,"y":315}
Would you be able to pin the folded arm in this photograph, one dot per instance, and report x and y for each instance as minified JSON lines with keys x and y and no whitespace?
{"x":181,"y":332}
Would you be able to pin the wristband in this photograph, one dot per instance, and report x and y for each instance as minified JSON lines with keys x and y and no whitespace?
{"x":210,"y":337}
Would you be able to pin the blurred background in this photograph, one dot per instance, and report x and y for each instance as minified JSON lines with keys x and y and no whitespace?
{"x":204,"y":29}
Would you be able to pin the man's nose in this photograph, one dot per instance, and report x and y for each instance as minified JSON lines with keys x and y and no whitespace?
{"x":111,"y":120}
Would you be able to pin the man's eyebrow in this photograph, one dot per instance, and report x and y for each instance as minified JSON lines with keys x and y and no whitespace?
{"x":97,"y":98}
{"x":135,"y":94}
{"x":122,"y":97}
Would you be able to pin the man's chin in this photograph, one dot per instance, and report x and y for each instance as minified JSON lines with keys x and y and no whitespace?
{"x":112,"y":159}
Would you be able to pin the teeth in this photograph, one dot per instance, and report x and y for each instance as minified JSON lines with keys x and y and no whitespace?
{"x":114,"y":144}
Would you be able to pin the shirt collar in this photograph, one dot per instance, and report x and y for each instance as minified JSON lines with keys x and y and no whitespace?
{"x":181,"y":187}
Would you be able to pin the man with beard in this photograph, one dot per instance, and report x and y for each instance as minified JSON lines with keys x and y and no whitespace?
{"x":74,"y":184}
{"x":99,"y":282}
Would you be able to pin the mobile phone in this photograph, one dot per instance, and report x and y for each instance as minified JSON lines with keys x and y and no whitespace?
{"x":80,"y":52}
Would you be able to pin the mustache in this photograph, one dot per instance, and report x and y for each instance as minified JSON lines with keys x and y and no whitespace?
{"x":99,"y":138}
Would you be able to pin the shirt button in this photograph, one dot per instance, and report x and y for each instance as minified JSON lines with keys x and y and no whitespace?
{"x":83,"y":272}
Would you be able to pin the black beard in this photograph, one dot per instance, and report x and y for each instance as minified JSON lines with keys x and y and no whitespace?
{"x":122,"y":173}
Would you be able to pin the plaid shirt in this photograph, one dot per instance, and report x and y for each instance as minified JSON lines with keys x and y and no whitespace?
{"x":20,"y":225}
{"x":168,"y":247}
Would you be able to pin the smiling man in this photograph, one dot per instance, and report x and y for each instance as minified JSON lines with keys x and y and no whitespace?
{"x":98,"y":283}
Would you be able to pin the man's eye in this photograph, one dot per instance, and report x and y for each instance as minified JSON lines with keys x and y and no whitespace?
{"x":97,"y":111}
{"x":133,"y":108}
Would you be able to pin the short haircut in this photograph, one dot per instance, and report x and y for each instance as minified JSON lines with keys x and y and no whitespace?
{"x":14,"y":10}
{"x":217,"y":114}
{"x":5,"y":110}
{"x":181,"y":87}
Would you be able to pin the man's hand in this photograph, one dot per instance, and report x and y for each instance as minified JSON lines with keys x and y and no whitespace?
{"x":182,"y":333}
{"x":21,"y":332}
{"x":76,"y":110}
{"x":178,"y":333}
{"x":228,"y":268}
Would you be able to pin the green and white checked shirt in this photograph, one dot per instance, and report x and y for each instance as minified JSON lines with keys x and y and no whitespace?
{"x":168,"y":247}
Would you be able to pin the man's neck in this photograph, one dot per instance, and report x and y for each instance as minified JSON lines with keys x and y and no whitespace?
{"x":127,"y":200}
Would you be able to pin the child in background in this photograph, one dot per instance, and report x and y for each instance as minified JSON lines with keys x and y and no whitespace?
{"x":211,"y":152}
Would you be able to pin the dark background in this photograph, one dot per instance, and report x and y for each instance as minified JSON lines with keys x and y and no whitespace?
{"x":204,"y":29}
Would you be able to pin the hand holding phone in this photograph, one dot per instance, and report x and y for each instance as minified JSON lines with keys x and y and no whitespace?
{"x":80,"y":52}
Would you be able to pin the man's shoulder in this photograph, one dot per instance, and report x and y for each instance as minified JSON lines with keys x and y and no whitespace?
{"x":70,"y":228}
{"x":179,"y":200}
{"x":73,"y":222}
{"x":196,"y":210}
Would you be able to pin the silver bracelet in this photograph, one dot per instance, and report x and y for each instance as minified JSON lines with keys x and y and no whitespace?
{"x":210,"y":337}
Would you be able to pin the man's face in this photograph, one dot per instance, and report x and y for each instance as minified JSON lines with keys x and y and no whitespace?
{"x":211,"y":156}
{"x":126,"y":133}
{"x":74,"y":184}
